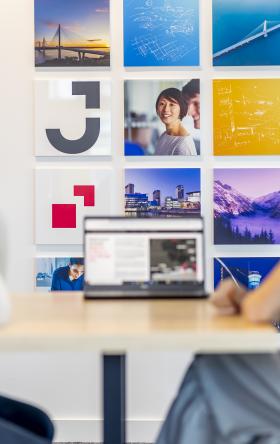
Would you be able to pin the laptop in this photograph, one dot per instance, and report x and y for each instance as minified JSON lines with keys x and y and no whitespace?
{"x":144,"y":258}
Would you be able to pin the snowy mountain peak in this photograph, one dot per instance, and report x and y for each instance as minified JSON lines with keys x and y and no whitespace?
{"x":269,"y":203}
{"x":229,"y":201}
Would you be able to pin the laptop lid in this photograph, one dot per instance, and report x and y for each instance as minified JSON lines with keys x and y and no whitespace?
{"x":152,"y":254}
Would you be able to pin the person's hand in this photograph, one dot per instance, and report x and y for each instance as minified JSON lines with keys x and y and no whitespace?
{"x":259,"y":305}
{"x":228,"y":297}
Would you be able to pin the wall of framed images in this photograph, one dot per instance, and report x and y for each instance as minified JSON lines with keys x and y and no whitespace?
{"x":162,"y":54}
{"x":42,"y":174}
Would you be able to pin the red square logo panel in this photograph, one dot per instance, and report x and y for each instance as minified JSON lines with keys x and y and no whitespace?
{"x":87,"y":192}
{"x":63,"y":216}
{"x":64,"y":196}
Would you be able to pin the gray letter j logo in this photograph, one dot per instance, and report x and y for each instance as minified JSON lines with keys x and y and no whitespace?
{"x":92,"y":92}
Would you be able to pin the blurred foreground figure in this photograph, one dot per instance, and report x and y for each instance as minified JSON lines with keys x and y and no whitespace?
{"x":22,"y":423}
{"x":231,"y":399}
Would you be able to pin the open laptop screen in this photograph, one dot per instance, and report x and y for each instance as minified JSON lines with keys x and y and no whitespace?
{"x":121,"y":252}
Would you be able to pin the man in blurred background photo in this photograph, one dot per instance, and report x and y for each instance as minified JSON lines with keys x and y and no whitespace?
{"x":191,"y":94}
{"x":69,"y":278}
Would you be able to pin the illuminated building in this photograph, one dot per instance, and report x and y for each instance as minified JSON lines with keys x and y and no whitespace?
{"x":136,"y":200}
{"x":254,"y":279}
{"x":156,"y":197}
{"x":129,"y":189}
{"x":193,"y":196}
{"x":180,"y":192}
{"x":170,"y":202}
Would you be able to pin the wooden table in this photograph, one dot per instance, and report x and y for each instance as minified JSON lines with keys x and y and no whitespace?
{"x":65,"y":322}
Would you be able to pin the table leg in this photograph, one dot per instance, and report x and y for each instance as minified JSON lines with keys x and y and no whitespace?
{"x":113,"y":399}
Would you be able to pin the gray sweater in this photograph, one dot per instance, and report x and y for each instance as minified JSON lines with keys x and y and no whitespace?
{"x":175,"y":146}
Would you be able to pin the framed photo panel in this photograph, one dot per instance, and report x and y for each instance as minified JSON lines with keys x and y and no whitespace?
{"x":70,"y":33}
{"x":162,"y":117}
{"x":246,"y":117}
{"x":64,"y":196}
{"x":161,"y":32}
{"x":72,"y":118}
{"x":247,"y":271}
{"x":246,"y":206}
{"x":59,"y":273}
{"x":246,"y":33}
{"x":162,"y":192}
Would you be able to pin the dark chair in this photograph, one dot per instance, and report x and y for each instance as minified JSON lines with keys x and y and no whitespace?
{"x":21,"y":423}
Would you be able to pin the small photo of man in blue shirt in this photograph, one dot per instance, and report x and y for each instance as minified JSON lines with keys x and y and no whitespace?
{"x":70,"y":277}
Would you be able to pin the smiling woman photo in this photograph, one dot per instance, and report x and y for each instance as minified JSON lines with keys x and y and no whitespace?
{"x":171,"y":109}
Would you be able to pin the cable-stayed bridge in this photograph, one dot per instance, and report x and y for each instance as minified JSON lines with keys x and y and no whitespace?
{"x":265,"y":28}
{"x":63,"y":35}
{"x":252,"y":277}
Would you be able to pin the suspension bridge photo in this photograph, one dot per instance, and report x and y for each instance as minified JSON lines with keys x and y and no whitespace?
{"x":246,"y":33}
{"x":261,"y":31}
{"x":71,"y":33}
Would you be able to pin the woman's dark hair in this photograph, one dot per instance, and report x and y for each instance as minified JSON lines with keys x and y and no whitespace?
{"x":174,"y":95}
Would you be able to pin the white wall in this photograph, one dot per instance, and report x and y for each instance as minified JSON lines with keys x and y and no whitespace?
{"x":68,"y":385}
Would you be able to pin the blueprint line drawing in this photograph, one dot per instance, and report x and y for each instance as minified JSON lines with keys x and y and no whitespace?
{"x":161,"y":32}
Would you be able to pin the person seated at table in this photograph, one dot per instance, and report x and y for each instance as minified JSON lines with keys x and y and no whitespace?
{"x":233,"y":398}
{"x":69,"y":278}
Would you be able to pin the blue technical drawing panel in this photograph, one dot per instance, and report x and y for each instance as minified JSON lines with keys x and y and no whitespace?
{"x":161,"y":33}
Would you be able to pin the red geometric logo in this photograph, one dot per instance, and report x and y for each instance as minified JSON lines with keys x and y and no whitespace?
{"x":64,"y":215}
{"x":87,"y":191}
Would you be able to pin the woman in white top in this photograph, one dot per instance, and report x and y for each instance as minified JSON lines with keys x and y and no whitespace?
{"x":171,"y":109}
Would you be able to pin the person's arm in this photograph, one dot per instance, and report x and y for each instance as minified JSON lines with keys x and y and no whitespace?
{"x":227,"y":297}
{"x":262,"y":304}
{"x":55,"y":282}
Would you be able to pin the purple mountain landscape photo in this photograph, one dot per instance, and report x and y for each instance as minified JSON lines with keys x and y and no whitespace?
{"x":247,"y":206}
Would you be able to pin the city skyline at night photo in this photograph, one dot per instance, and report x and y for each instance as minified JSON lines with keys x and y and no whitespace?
{"x":164,"y":192}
